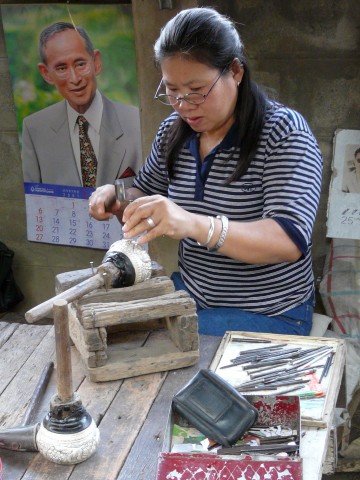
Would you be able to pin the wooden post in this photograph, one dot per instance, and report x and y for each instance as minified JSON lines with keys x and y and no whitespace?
{"x":63,"y":354}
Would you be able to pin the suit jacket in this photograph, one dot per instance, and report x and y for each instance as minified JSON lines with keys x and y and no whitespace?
{"x":48,"y":157}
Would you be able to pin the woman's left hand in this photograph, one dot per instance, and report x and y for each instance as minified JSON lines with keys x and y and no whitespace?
{"x":153,"y":216}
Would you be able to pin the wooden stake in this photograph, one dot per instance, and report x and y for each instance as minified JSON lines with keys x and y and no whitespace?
{"x":63,"y":354}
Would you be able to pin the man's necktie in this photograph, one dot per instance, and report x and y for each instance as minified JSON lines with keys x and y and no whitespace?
{"x":87,"y":154}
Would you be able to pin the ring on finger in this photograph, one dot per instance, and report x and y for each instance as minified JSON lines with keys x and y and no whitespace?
{"x":90,"y":205}
{"x":150,"y":222}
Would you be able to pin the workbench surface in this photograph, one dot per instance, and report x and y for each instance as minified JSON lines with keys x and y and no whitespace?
{"x":131,"y":414}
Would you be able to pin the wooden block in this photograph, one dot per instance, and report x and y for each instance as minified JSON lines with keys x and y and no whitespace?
{"x":93,"y":339}
{"x":157,"y":355}
{"x":150,"y":288}
{"x":120,"y":333}
{"x":91,"y":344}
{"x":156,"y":324}
{"x":66,"y":280}
{"x":331,"y":454}
{"x":183,"y":330}
{"x":101,"y":315}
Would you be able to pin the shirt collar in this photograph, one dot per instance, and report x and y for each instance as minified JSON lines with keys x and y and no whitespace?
{"x":226,"y":143}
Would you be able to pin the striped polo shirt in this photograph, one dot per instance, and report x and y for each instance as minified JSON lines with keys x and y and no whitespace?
{"x":283,"y":182}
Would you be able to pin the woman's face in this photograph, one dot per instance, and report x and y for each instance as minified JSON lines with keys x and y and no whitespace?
{"x":216,"y":115}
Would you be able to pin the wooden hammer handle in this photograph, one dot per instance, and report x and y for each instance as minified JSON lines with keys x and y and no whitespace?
{"x":63,"y":354}
{"x":77,"y":291}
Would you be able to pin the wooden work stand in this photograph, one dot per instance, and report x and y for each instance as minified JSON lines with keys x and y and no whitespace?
{"x":125,"y":332}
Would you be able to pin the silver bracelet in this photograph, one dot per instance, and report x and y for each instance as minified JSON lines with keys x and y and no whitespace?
{"x":210,"y":233}
{"x":224,"y":230}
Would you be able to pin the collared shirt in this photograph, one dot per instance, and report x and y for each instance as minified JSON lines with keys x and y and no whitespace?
{"x":283,"y":182}
{"x":93,"y":115}
{"x":204,"y":166}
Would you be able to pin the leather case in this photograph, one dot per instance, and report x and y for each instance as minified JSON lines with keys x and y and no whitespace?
{"x":215,"y":408}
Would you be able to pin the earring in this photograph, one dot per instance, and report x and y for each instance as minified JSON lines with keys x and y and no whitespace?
{"x":239,"y":83}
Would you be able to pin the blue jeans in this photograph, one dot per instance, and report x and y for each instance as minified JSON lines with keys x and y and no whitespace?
{"x":216,"y":321}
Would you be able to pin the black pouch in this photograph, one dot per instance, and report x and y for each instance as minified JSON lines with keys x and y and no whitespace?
{"x":215,"y":408}
{"x":10,"y":293}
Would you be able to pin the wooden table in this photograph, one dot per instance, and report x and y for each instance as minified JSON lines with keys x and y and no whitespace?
{"x":131,"y":413}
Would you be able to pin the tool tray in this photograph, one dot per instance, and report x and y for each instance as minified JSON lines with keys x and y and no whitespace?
{"x":313,"y":414}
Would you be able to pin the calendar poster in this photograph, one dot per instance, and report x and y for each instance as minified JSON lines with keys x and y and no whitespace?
{"x":58,"y":214}
{"x":343,"y":219}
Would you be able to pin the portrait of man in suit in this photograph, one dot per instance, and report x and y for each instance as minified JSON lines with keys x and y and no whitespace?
{"x":54,"y":138}
{"x":351,"y":182}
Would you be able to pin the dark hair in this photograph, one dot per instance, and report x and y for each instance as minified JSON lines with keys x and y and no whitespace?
{"x":58,"y":27}
{"x":208,"y":37}
{"x":356,"y":152}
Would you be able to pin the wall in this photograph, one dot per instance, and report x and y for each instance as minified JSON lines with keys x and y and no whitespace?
{"x":308,"y":52}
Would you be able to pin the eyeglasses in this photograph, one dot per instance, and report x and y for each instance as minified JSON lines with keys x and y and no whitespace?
{"x":192,"y":98}
{"x":81,"y":67}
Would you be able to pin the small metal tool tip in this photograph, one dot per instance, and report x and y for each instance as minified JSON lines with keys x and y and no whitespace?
{"x":105,"y":281}
{"x":120,"y":190}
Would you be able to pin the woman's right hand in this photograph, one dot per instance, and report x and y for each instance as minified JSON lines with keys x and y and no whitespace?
{"x":103,"y":203}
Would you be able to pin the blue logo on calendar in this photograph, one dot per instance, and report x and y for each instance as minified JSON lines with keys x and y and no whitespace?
{"x":57,"y":190}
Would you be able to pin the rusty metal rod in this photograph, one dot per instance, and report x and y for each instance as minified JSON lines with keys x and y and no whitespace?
{"x":38,"y":392}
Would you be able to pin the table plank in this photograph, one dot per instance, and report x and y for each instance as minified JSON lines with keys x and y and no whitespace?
{"x":120,"y":427}
{"x":14,"y":464}
{"x":23,"y":366}
{"x":6,"y":331}
{"x":105,"y":402}
{"x":41,"y":469}
{"x":18,"y":347}
{"x":16,"y":396}
{"x":141,"y":463}
{"x":313,"y":447}
{"x":95,"y":398}
{"x":120,"y":408}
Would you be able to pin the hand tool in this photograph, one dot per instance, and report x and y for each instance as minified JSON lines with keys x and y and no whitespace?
{"x":327,"y":366}
{"x":23,"y":437}
{"x":38,"y":392}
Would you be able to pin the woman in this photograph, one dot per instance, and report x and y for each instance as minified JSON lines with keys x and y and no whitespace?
{"x":235,"y":177}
